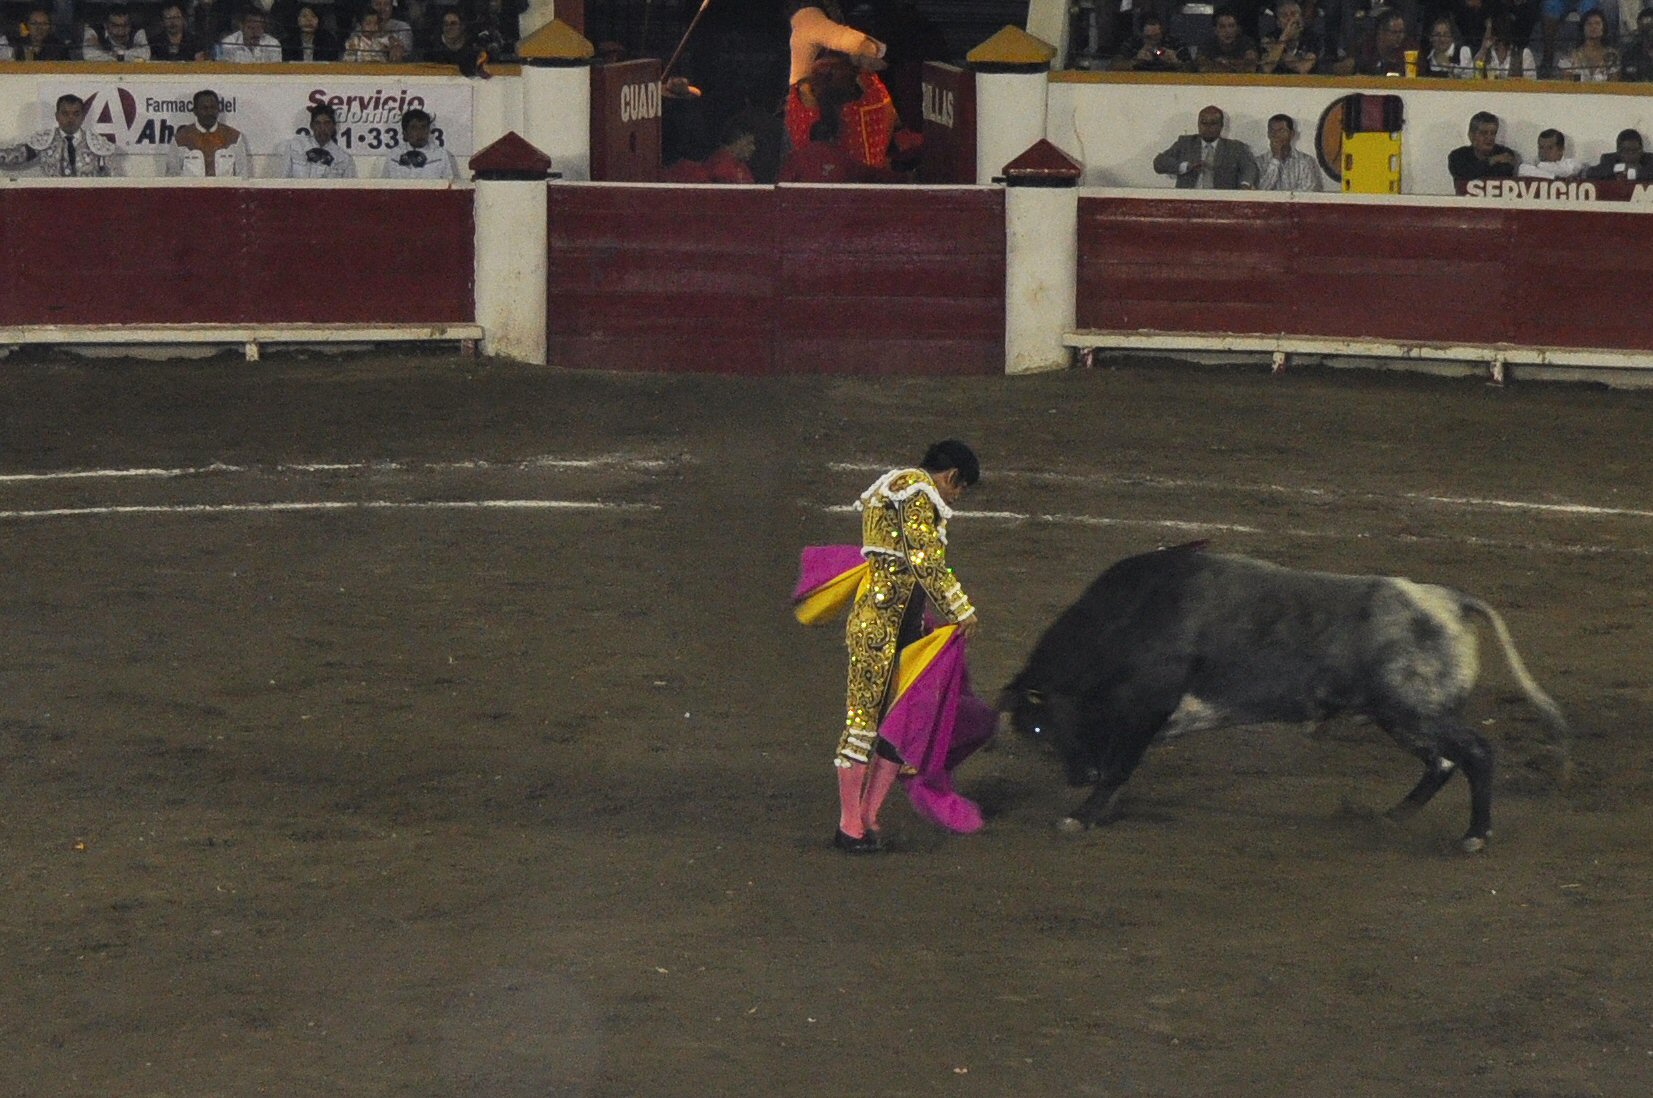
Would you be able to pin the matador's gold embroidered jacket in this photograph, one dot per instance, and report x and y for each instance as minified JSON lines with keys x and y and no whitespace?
{"x":904,"y":538}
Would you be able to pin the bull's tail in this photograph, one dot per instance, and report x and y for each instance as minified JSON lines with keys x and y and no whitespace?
{"x":1541,"y":701}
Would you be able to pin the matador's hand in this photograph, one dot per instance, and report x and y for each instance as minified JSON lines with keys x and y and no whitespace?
{"x":969,"y":625}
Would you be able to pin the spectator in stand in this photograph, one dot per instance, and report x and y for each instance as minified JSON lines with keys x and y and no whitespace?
{"x":115,"y":40}
{"x":39,"y":42}
{"x":1629,"y":162}
{"x":207,"y":147}
{"x":452,"y":44}
{"x":173,"y":40}
{"x":1502,"y":59}
{"x":310,"y":40}
{"x":1207,"y":160}
{"x":1283,"y":167}
{"x":1291,"y":44}
{"x":1384,"y":54}
{"x":494,"y":25}
{"x":1553,"y":161}
{"x":209,"y":20}
{"x":396,"y":28}
{"x":316,"y":155}
{"x":1445,"y":58}
{"x":419,"y":159}
{"x":1228,"y":50}
{"x":1553,"y":13}
{"x":730,"y":162}
{"x":252,"y":43}
{"x":1153,"y":49}
{"x":1594,"y":61}
{"x":372,"y":43}
{"x":1636,"y":58}
{"x":1483,"y":157}
{"x":65,"y":149}
{"x":1474,"y":17}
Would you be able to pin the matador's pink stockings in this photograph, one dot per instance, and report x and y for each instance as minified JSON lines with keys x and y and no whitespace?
{"x":852,"y":781}
{"x":884,"y":773}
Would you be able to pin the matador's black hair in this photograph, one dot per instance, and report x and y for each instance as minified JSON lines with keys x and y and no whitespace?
{"x":952,"y":454}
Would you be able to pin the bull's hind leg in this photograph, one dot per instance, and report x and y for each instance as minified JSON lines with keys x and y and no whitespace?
{"x":1468,"y":750}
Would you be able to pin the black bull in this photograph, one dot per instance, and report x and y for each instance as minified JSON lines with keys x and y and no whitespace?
{"x":1181,"y":640}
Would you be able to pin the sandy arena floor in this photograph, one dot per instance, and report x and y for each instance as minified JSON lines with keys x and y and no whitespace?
{"x":433,"y":727}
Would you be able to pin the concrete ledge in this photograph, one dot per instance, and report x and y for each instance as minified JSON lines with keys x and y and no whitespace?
{"x":250,"y":337}
{"x":1613,"y":367}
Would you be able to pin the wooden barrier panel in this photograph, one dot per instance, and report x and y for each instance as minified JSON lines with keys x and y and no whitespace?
{"x":625,"y":121}
{"x":1446,"y":271}
{"x":661,"y":278}
{"x":948,"y":98}
{"x":73,"y":255}
{"x":758,"y":280}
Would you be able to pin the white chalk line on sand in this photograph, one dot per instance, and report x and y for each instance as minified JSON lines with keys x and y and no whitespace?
{"x":1135,"y":481}
{"x":331,"y":505}
{"x":619,"y":461}
{"x":1181,"y":526}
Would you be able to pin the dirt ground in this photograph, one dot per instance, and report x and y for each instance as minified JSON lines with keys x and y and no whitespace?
{"x":316,"y":782}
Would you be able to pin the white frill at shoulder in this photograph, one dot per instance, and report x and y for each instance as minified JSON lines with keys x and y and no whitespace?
{"x":900,"y":485}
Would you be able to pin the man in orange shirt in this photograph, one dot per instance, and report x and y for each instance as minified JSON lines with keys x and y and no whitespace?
{"x":209,"y":147}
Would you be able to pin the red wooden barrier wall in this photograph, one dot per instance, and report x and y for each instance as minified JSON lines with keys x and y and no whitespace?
{"x":235,"y":255}
{"x":890,"y":280}
{"x":1436,"y":273}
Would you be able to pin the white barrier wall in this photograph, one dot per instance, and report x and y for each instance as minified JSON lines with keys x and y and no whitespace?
{"x":1115,"y":124}
{"x":139,"y":105}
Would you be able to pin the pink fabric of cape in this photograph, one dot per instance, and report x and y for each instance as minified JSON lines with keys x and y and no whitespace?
{"x":823,"y":563}
{"x":937,"y":724}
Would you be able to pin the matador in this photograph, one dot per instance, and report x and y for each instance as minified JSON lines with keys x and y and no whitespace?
{"x":904,"y":540}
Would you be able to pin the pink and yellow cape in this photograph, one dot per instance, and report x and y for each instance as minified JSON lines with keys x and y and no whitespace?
{"x":936,"y":721}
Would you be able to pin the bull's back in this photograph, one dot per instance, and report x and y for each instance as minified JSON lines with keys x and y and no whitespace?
{"x":1281,"y":644}
{"x":1275,"y":644}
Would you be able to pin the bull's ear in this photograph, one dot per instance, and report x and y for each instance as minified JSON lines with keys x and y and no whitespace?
{"x":1034,"y":697}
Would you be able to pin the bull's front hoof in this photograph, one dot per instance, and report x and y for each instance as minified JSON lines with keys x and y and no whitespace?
{"x":1474,"y":844}
{"x":1070,"y":825}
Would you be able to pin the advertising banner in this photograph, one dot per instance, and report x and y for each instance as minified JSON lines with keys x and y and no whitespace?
{"x":141,"y":115}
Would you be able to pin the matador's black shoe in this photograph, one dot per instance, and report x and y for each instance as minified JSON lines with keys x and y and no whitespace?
{"x":850,"y":845}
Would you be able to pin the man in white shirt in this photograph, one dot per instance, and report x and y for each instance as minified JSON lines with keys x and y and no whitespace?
{"x":1284,"y":168}
{"x":117,"y":41}
{"x":1553,"y":163}
{"x":65,"y":149}
{"x":251,"y":43}
{"x":316,"y":155}
{"x":419,"y":159}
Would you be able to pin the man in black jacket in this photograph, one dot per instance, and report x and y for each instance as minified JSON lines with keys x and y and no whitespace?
{"x":1483,"y":157}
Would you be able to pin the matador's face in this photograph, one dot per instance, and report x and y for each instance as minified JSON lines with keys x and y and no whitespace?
{"x":951,"y":486}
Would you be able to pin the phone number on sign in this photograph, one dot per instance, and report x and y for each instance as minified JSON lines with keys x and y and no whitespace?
{"x":379,"y":138}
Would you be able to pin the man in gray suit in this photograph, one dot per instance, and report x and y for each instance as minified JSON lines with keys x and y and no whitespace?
{"x":1207,"y":160}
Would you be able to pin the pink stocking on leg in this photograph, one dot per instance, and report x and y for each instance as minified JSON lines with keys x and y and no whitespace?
{"x":884,"y":773}
{"x":851,"y":782}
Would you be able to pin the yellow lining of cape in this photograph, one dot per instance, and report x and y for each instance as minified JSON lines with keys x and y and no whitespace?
{"x":830,"y":599}
{"x":917,"y":657}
